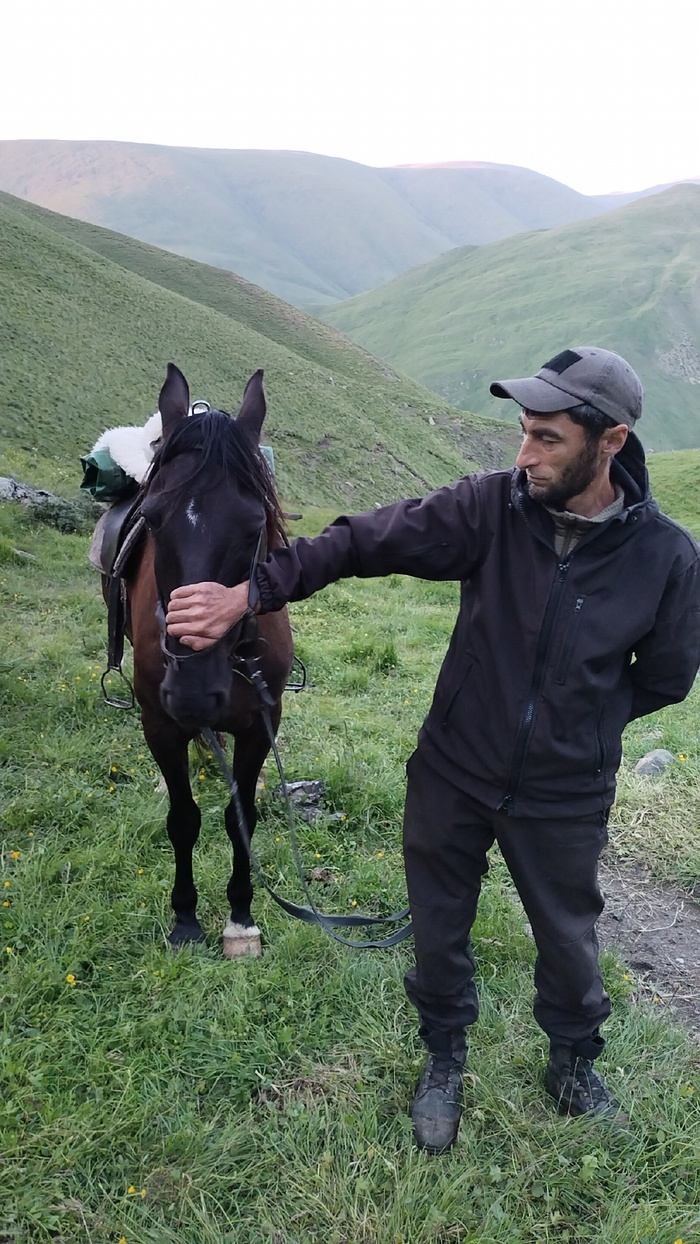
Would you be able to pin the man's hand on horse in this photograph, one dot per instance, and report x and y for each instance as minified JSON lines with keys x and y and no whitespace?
{"x":200,"y":613}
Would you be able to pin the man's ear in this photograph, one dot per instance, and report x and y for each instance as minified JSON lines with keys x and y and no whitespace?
{"x":613,"y":439}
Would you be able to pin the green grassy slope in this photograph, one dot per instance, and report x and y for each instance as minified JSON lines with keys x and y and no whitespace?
{"x":88,"y":321}
{"x":310,"y":228}
{"x":675,"y":482}
{"x":628,"y":281}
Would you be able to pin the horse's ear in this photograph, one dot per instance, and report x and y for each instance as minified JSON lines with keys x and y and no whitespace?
{"x":174,"y":400}
{"x":253,"y":407}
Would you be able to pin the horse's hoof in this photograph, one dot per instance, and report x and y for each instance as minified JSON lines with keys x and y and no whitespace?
{"x":186,"y":935}
{"x":238,"y":941}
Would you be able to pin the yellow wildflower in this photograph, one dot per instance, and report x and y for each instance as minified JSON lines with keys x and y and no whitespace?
{"x":71,"y":979}
{"x":131,"y":1190}
{"x":14,"y":855}
{"x":9,"y":950}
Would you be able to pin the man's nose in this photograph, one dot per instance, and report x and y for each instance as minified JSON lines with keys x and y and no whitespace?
{"x":528,"y":455}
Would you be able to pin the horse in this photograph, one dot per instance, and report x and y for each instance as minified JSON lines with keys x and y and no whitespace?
{"x":210,"y":510}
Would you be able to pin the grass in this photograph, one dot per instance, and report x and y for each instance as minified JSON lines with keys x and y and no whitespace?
{"x":624,"y":280}
{"x":186,"y":1099}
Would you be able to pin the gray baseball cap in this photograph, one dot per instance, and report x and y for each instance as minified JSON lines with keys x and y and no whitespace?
{"x":585,"y":374}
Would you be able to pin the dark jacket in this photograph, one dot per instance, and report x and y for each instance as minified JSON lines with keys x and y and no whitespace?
{"x":548,"y":660}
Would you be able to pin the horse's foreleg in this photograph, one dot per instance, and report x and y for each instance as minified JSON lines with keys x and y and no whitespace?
{"x":249,"y":755}
{"x":169,"y":747}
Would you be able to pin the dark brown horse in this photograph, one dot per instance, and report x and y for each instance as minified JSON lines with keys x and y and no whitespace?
{"x":210,"y":507}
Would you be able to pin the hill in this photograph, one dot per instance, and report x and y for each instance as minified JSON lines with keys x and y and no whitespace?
{"x":310,"y":228}
{"x":627,"y":280}
{"x":675,"y":482}
{"x":89,"y":319}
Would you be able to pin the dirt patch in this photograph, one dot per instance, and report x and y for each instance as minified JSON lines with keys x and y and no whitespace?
{"x":654,"y":929}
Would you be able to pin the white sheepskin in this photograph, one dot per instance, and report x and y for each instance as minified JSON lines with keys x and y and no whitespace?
{"x":133,"y":448}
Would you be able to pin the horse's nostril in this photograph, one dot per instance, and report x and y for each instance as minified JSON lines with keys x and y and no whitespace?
{"x":193,"y":710}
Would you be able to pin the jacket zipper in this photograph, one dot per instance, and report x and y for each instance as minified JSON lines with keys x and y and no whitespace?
{"x":569,"y":641}
{"x":528,"y":716}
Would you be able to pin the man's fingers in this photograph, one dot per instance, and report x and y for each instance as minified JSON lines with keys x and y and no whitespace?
{"x":195,"y":642}
{"x":187,"y":590}
{"x":200,"y":613}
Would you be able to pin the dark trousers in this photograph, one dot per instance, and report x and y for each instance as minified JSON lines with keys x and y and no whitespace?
{"x":554,"y":865}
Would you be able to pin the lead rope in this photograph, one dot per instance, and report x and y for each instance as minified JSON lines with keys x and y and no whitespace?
{"x":310,"y":914}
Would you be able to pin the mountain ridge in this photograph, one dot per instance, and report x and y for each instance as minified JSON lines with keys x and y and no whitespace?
{"x":310,"y":228}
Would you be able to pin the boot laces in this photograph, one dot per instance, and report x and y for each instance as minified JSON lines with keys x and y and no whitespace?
{"x":442,"y":1072}
{"x":591,"y":1082}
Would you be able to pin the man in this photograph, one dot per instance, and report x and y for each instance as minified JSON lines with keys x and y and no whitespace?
{"x":580,"y":610}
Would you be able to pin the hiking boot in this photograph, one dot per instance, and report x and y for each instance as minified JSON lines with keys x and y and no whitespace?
{"x":578,"y":1088}
{"x":437,"y":1105}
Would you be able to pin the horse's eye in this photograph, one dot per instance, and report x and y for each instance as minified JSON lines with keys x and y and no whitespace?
{"x":152,"y":517}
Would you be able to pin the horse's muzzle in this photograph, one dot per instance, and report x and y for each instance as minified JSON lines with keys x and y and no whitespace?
{"x":196,"y":693}
{"x":195,"y":711}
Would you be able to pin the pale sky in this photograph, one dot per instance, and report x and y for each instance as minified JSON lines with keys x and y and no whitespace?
{"x":600,"y":94}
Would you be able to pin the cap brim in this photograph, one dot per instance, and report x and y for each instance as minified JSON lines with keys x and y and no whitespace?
{"x":534,"y":394}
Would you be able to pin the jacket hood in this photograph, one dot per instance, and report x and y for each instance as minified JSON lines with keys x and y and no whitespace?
{"x":629,"y":470}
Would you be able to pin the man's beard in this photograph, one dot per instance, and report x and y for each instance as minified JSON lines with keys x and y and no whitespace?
{"x":574,"y":479}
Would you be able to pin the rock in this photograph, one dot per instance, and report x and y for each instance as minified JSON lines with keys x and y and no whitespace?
{"x":303,"y":793}
{"x":67,"y":516}
{"x":654,"y":762}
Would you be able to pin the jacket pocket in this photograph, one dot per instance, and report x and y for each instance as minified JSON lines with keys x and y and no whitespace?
{"x":569,"y":640}
{"x":448,"y":713}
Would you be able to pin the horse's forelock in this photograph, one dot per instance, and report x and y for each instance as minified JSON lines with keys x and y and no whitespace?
{"x":227,"y":450}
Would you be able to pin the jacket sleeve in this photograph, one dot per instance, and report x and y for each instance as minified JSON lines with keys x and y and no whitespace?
{"x":440,"y":536}
{"x":667,"y":658}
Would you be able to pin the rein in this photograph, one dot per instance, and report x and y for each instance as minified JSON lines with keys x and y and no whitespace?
{"x":310,"y":914}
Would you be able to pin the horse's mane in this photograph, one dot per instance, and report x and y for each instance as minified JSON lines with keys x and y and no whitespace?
{"x":226,"y":450}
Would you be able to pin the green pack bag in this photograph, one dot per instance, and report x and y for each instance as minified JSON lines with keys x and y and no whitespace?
{"x":268,"y":454}
{"x":104,"y":479}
